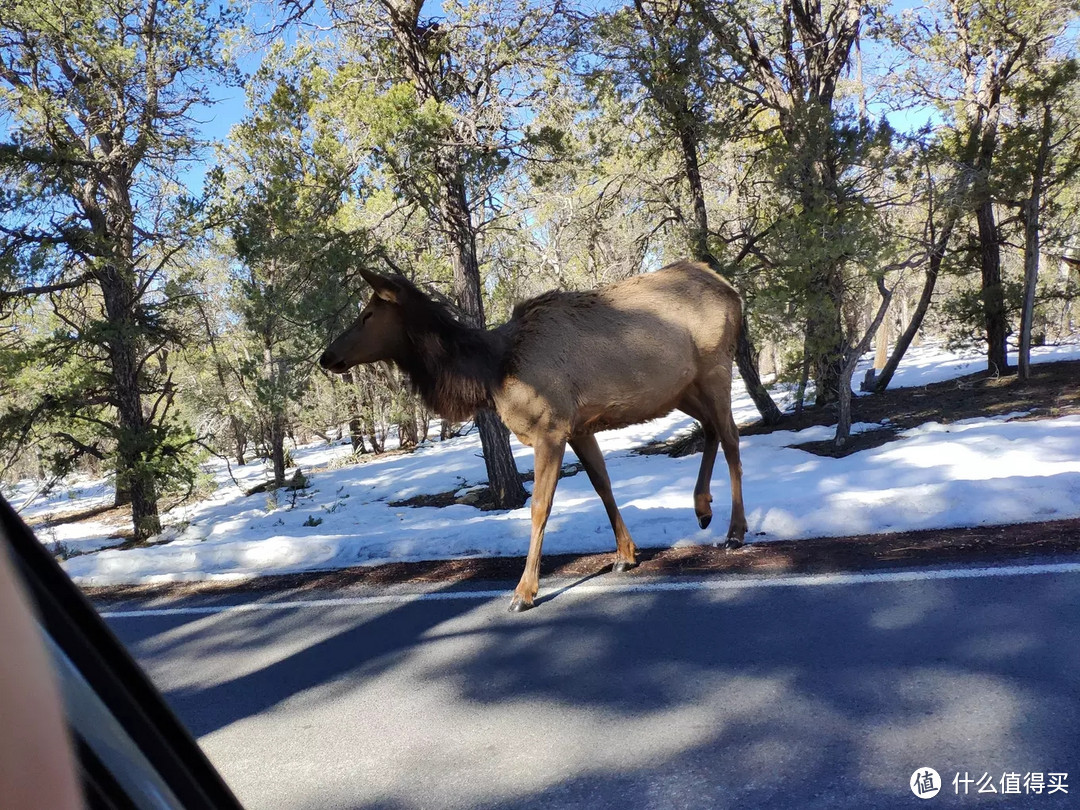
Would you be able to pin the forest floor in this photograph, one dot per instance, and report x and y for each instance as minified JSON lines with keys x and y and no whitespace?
{"x":1052,"y":391}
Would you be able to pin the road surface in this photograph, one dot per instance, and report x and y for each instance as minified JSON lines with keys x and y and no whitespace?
{"x":815,"y":692}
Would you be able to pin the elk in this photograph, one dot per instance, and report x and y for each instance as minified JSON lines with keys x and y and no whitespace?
{"x":565,"y":366}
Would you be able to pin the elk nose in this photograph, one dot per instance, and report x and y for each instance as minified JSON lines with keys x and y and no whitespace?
{"x":328,"y":360}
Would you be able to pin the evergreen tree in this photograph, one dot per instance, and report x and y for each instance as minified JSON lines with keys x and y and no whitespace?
{"x":99,"y":99}
{"x":288,"y":176}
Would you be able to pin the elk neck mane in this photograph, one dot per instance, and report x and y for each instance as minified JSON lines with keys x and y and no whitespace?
{"x":455,"y":369}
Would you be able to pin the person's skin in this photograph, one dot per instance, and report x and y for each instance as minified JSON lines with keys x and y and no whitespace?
{"x":37,"y":768}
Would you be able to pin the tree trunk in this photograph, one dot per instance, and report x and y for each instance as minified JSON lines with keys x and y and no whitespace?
{"x":277,"y":448}
{"x":239,"y":440}
{"x":746,"y":360}
{"x":122,"y":496}
{"x":356,"y":436}
{"x":825,"y":336}
{"x":881,"y":347}
{"x":804,"y":378}
{"x":993,"y":292}
{"x":274,"y":375}
{"x":134,"y":446}
{"x":699,"y":228}
{"x":851,"y":359}
{"x":818,"y":189}
{"x":937,"y":255}
{"x":501,"y":468}
{"x":983,"y":143}
{"x":407,"y":433}
{"x":1032,"y":245}
{"x":356,"y":425}
{"x":422,"y":420}
{"x":454,"y":216}
{"x":745,"y":355}
{"x":816,"y":46}
{"x":503,"y":476}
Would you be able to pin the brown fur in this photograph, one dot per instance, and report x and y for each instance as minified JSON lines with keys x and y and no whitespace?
{"x":569,"y":364}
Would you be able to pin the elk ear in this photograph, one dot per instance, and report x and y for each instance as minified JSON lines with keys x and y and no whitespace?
{"x":386,"y":288}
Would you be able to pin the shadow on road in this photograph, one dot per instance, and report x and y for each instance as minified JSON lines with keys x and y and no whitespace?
{"x":827,"y":696}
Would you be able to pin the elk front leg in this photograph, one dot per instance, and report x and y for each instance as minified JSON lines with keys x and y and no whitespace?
{"x":696,"y":405}
{"x":548,"y":455}
{"x":729,"y":440}
{"x":588,"y":453}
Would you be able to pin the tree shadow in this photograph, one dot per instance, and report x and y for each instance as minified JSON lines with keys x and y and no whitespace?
{"x":828,"y":696}
{"x":352,"y":649}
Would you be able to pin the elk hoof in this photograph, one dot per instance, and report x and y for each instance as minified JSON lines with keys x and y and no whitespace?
{"x":622,"y":566}
{"x":704,"y":520}
{"x":519,"y":605}
{"x":733,"y":543}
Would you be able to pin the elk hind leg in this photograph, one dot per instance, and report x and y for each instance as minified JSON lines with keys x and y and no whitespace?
{"x":548,"y":462}
{"x":588,"y":453}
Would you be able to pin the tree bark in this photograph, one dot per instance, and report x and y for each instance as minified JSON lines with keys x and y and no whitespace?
{"x":745,"y":354}
{"x":356,"y":424}
{"x":937,"y":255}
{"x":503,"y":476}
{"x":851,"y":359}
{"x":825,"y":342}
{"x":993,"y":291}
{"x":825,"y":296}
{"x":277,"y":448}
{"x":1032,"y":244}
{"x":804,"y":378}
{"x":407,"y":439}
{"x":881,"y":347}
{"x":699,"y":230}
{"x":982,"y":143}
{"x":122,"y":496}
{"x":134,"y":471}
{"x":421,"y":420}
{"x":274,"y":370}
{"x":747,"y":360}
{"x":356,"y":436}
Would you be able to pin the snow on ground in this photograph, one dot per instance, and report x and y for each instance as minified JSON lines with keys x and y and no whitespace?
{"x":980,"y":471}
{"x":77,"y":493}
{"x":934,"y":363}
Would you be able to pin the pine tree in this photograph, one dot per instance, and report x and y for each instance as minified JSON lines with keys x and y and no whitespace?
{"x":100,"y":98}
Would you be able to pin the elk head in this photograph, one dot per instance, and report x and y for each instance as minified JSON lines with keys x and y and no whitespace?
{"x":378,"y":334}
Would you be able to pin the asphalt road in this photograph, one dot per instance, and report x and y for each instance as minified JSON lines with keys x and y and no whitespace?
{"x":814,"y":693}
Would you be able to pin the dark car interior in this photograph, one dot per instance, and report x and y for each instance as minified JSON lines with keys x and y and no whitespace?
{"x":132,"y":751}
